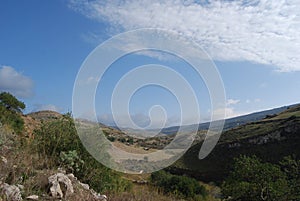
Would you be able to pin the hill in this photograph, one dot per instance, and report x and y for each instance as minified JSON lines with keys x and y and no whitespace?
{"x":271,"y":139}
{"x":231,"y":122}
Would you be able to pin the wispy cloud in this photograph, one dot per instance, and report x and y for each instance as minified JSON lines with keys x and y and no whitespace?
{"x":259,"y":31}
{"x":232,"y":102}
{"x":15,"y":82}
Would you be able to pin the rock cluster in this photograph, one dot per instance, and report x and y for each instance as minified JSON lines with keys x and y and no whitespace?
{"x":61,"y":186}
{"x":11,"y":192}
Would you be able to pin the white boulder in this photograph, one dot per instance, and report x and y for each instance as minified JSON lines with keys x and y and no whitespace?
{"x":60,"y":185}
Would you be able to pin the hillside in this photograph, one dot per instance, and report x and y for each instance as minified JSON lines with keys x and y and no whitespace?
{"x":232,"y":122}
{"x":46,"y":161}
{"x":271,"y":139}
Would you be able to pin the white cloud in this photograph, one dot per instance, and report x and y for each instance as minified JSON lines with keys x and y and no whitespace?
{"x":229,"y":113}
{"x":232,"y":102}
{"x":41,"y":107}
{"x":260,"y":31}
{"x":15,"y":83}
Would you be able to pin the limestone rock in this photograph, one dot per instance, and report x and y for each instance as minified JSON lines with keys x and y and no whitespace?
{"x":85,"y":186}
{"x":100,"y":197}
{"x":12,"y":192}
{"x":60,"y":185}
{"x":33,"y":197}
{"x":4,"y":160}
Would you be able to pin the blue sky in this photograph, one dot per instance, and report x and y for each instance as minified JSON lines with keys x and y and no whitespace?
{"x":254,"y":44}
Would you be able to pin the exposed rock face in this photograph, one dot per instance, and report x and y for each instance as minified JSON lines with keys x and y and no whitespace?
{"x":275,"y":136}
{"x":12,"y":192}
{"x":60,"y":185}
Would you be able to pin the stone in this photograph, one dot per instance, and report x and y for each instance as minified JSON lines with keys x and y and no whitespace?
{"x":21,"y":187}
{"x":12,"y":192}
{"x":60,"y":185}
{"x":72,"y":176}
{"x":33,"y":197}
{"x":85,"y":186}
{"x":4,"y":160}
{"x":100,"y":197}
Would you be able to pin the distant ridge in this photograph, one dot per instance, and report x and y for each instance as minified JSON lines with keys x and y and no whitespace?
{"x":232,"y":122}
{"x":271,"y":138}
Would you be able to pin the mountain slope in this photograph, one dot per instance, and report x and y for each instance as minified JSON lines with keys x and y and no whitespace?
{"x":271,"y":139}
{"x":232,"y":122}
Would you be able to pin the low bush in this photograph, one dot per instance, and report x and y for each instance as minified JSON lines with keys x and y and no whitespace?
{"x":181,"y":186}
{"x":59,"y":145}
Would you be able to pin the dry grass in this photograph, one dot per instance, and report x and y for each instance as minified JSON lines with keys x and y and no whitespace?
{"x":132,"y":148}
{"x":143,"y":193}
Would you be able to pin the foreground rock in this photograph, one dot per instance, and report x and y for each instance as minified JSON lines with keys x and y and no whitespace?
{"x":33,"y":197}
{"x":12,"y":192}
{"x":60,"y":185}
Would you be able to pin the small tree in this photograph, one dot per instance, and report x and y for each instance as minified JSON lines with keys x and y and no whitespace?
{"x":11,"y":103}
{"x":10,"y":109}
{"x":291,"y":167}
{"x":253,"y":180}
{"x":181,"y":186}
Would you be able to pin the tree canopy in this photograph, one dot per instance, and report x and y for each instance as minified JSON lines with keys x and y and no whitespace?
{"x":11,"y":103}
{"x":10,"y":109}
{"x":253,"y":180}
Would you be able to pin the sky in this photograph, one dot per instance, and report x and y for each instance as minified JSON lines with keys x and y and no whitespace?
{"x":254,"y":45}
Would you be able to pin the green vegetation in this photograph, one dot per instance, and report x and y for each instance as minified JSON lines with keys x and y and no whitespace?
{"x":11,"y":103}
{"x":181,"y":186}
{"x":291,"y":167}
{"x":253,"y":180}
{"x":55,"y":143}
{"x":10,"y":107}
{"x":71,"y":161}
{"x":270,"y":139}
{"x":59,"y":145}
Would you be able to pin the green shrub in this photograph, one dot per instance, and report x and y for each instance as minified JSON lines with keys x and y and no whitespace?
{"x":71,"y":161}
{"x":57,"y":136}
{"x":181,"y":186}
{"x":291,"y":167}
{"x":111,"y":138}
{"x":10,"y":110}
{"x":122,"y":139}
{"x":58,"y":141}
{"x":11,"y":103}
{"x":253,"y":180}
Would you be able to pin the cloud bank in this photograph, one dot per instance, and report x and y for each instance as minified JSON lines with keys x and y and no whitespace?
{"x":259,"y":31}
{"x":15,"y":83}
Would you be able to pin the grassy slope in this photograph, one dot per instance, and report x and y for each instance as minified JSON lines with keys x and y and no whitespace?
{"x":216,"y":166}
{"x":26,"y":163}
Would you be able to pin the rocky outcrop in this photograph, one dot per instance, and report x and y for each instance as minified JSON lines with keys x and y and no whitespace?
{"x":275,"y":136}
{"x":11,"y":192}
{"x":60,"y":185}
